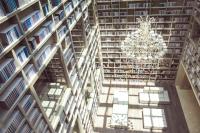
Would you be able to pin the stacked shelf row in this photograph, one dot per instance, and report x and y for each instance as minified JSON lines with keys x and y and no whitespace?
{"x":191,"y":56}
{"x":41,"y":84}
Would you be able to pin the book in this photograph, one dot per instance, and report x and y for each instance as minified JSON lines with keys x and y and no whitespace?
{"x":75,"y":2}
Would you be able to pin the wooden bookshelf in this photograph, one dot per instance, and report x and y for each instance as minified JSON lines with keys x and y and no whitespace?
{"x":118,"y":18}
{"x":50,"y":43}
{"x":190,"y":56}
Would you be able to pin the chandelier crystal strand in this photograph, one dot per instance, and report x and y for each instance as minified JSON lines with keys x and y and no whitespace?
{"x":144,"y":43}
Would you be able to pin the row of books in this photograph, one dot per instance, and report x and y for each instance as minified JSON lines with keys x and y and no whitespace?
{"x":103,"y":6}
{"x":83,"y":5}
{"x":144,"y":5}
{"x":11,"y":94}
{"x":117,"y":20}
{"x":75,"y":2}
{"x":182,"y":33}
{"x":39,"y":36}
{"x":10,"y":34}
{"x":180,"y":19}
{"x":26,"y":128}
{"x":2,"y":12}
{"x":40,"y":127}
{"x":55,"y":2}
{"x":185,"y":26}
{"x":26,"y":103}
{"x":135,"y":5}
{"x":113,"y":33}
{"x":22,"y":53}
{"x":59,"y":15}
{"x":174,"y":44}
{"x":176,"y":38}
{"x":8,"y":6}
{"x":23,"y":2}
{"x":30,"y":71}
{"x":166,"y":4}
{"x":68,"y":8}
{"x":13,"y":122}
{"x":34,"y":115}
{"x":62,"y":31}
{"x":7,"y":69}
{"x":30,"y":20}
{"x":43,"y":55}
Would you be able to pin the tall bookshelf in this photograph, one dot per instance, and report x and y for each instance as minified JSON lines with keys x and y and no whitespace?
{"x":45,"y":69}
{"x":190,"y":57}
{"x":118,"y":18}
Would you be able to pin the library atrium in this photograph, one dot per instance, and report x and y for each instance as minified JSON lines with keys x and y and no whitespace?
{"x":99,"y":66}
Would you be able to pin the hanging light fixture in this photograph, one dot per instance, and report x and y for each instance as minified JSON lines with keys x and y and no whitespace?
{"x":144,"y":43}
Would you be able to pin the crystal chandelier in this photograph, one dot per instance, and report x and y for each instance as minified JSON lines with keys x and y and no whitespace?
{"x":144,"y":43}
